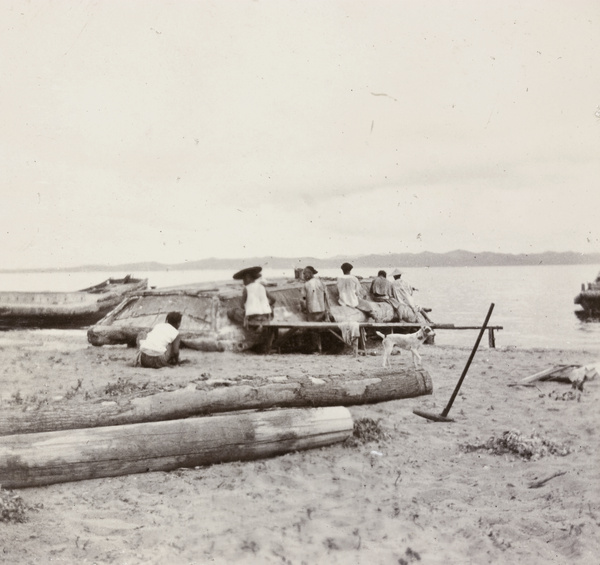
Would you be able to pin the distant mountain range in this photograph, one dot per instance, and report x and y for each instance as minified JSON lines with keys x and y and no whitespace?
{"x":457,"y":258}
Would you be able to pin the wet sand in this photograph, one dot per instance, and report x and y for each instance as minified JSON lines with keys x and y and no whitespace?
{"x":415,"y":495}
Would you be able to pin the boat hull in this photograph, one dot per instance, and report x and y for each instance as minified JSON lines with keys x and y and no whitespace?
{"x":588,"y":315}
{"x":589,"y":300}
{"x":211,"y":315}
{"x":65,"y":310}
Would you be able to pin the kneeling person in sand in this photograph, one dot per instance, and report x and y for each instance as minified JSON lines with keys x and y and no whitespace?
{"x":161,"y":346}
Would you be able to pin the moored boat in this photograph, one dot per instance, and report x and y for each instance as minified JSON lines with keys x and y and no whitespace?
{"x":589,"y":300}
{"x":211,"y":320}
{"x":65,"y":309}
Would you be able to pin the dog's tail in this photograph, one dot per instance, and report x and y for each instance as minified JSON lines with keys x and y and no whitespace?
{"x":382,"y":336}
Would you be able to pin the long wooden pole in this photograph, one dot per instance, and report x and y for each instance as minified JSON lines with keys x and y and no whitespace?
{"x":443,"y":417}
{"x":464,"y":373}
{"x":31,"y":460}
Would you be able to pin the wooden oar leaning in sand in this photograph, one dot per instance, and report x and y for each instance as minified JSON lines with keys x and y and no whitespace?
{"x":443,"y":417}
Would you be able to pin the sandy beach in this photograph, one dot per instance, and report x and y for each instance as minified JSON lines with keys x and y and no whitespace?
{"x":419,"y":493}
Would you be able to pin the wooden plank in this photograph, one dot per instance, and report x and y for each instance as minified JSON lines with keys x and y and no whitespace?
{"x":547,"y":373}
{"x":307,"y":391}
{"x":469,"y":328}
{"x":294,"y":327}
{"x":332,"y":325}
{"x":54,"y":457}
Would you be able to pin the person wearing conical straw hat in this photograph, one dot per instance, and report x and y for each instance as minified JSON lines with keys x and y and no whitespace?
{"x":403,"y":291}
{"x":258,"y":303}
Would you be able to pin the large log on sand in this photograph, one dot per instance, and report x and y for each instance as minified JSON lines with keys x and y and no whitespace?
{"x":53,"y":457}
{"x":225,"y":396}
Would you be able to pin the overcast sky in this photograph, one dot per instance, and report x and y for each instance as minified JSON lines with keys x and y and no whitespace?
{"x":155,"y":130}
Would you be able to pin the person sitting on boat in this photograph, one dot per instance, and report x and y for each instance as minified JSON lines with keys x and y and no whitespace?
{"x":403,"y":292}
{"x":258,"y":303}
{"x":351,"y":292}
{"x":382,"y":291}
{"x":161,"y":346}
{"x":315,"y":296}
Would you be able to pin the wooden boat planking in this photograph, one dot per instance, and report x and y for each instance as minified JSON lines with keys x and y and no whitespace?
{"x":65,"y":309}
{"x":208,"y":309}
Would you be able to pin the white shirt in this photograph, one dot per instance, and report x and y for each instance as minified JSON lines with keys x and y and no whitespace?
{"x":403,"y":292}
{"x":349,"y":288}
{"x":159,"y":338}
{"x":314,"y":294}
{"x":256,"y":299}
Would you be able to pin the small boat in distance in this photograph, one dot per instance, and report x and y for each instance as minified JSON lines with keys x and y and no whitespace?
{"x":589,"y":300}
{"x":65,"y":309}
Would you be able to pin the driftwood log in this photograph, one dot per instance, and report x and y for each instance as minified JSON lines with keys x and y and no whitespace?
{"x":31,"y":460}
{"x":560,"y":372}
{"x":224,"y":396}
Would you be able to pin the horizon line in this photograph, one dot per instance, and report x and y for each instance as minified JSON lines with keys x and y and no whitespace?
{"x":151,"y":265}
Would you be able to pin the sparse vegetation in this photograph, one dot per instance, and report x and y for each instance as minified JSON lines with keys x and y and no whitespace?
{"x":122,"y":386}
{"x":513,"y":442}
{"x":12,"y":507}
{"x":365,"y":431}
{"x":73,"y":391}
{"x":572,"y":394}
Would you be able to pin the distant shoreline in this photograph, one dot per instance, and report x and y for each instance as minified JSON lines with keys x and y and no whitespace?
{"x":425,"y":259}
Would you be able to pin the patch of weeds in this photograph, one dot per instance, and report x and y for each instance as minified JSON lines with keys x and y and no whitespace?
{"x":249,"y":545}
{"x":513,"y":442}
{"x":122,"y":386}
{"x":365,"y":431}
{"x":12,"y":507}
{"x":572,"y":394}
{"x":498,"y":540}
{"x":73,"y":391}
{"x":410,"y":556}
{"x":202,"y":377}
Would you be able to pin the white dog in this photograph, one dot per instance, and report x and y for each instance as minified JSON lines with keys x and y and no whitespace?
{"x":410,"y":342}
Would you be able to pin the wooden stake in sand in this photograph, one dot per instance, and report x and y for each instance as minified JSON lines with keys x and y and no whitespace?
{"x":31,"y":460}
{"x":443,"y":416}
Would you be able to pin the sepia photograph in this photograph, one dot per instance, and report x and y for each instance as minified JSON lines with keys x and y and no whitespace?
{"x":299,"y":282}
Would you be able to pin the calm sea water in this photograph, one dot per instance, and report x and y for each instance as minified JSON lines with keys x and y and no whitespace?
{"x":533,"y":304}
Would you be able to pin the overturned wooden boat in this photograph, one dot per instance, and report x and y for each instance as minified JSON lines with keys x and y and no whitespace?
{"x":589,"y":300}
{"x":65,"y":309}
{"x":31,"y":460}
{"x":211,"y":314}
